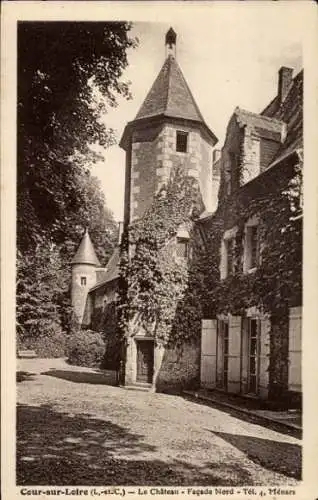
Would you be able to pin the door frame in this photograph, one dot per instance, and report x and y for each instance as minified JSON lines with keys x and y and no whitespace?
{"x":221,"y":383}
{"x":247,"y":356}
{"x":138,"y":341}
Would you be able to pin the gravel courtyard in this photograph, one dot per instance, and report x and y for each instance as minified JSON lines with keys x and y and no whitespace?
{"x":72,"y":429}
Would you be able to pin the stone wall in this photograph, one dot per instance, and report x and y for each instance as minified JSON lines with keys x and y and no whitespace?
{"x":251,"y":156}
{"x":268,"y":150}
{"x":154,"y":154}
{"x":79,"y":292}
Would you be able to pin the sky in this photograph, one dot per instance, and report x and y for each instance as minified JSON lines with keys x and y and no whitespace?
{"x":229,"y":57}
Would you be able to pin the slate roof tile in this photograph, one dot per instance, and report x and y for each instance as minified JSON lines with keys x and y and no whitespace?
{"x":170,"y":95}
{"x":85,"y":253}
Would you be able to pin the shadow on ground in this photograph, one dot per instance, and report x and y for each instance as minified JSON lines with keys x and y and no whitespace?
{"x":277,"y":456}
{"x":63,"y":449}
{"x":24,"y":376}
{"x":250,"y":418}
{"x":83,"y":377}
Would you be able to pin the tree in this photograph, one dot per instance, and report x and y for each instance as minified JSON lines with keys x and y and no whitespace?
{"x":69,"y":74}
{"x":41,"y":287}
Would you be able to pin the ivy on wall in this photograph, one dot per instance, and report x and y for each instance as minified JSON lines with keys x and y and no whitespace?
{"x":167,"y":297}
{"x":153,"y":280}
{"x":276,"y":285}
{"x":275,"y":198}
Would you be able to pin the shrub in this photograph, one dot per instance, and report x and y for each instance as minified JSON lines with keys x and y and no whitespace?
{"x":85,"y":348}
{"x":48,"y":346}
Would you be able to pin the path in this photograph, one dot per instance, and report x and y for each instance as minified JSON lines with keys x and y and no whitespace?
{"x":73,"y":430}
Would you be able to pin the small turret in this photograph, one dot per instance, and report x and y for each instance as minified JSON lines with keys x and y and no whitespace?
{"x":84,"y":266}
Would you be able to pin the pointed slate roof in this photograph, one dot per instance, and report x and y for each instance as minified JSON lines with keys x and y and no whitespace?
{"x":170,"y":95}
{"x":85,"y":253}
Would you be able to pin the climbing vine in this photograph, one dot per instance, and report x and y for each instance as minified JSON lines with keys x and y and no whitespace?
{"x":167,"y":297}
{"x":153,"y":280}
{"x":276,"y":285}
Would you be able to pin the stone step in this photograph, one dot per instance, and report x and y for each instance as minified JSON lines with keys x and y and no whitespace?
{"x":138,"y":387}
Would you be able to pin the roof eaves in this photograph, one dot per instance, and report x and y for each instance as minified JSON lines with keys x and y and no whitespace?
{"x":159,"y":119}
{"x":103,"y":283}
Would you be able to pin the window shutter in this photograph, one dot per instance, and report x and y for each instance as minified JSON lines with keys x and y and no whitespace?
{"x":208,"y":353}
{"x":234,"y":367}
{"x":294,"y":367}
{"x":264,"y":356}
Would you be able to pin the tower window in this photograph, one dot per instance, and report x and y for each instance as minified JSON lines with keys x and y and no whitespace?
{"x":182,"y":142}
{"x":83,"y":280}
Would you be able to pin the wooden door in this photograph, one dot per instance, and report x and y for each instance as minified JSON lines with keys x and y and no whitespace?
{"x":145,"y":360}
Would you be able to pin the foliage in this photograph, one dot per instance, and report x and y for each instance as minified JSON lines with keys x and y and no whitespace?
{"x":64,"y":90}
{"x":276,"y":285}
{"x":85,"y":348}
{"x":104,"y":319}
{"x":153,"y":280}
{"x":48,"y":346}
{"x":69,"y":74}
{"x":42,"y":292}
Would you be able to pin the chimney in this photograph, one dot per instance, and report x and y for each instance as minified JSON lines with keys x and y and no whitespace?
{"x":171,"y":41}
{"x":285,"y":77}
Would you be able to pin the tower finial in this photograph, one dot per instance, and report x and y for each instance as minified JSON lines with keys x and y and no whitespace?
{"x":171,"y":43}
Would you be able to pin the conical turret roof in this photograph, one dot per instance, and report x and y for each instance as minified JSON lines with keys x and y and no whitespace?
{"x":170,"y":95}
{"x":85,"y":253}
{"x":169,"y":98}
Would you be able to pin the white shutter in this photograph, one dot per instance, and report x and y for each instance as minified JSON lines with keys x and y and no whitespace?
{"x":294,"y":367}
{"x":234,"y":358}
{"x":208,"y":353}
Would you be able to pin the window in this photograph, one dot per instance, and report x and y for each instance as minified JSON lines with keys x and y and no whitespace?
{"x":251,"y":251}
{"x":223,"y":353}
{"x":228,"y":261}
{"x":182,"y":142}
{"x":83,"y":280}
{"x":230,"y":256}
{"x":182,"y":249}
{"x":253,"y":354}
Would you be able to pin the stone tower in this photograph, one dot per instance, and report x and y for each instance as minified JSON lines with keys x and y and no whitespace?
{"x":84,"y":266}
{"x":168,"y":130}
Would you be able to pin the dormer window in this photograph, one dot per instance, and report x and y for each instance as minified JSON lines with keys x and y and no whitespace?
{"x":83,"y":281}
{"x":182,"y":141}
